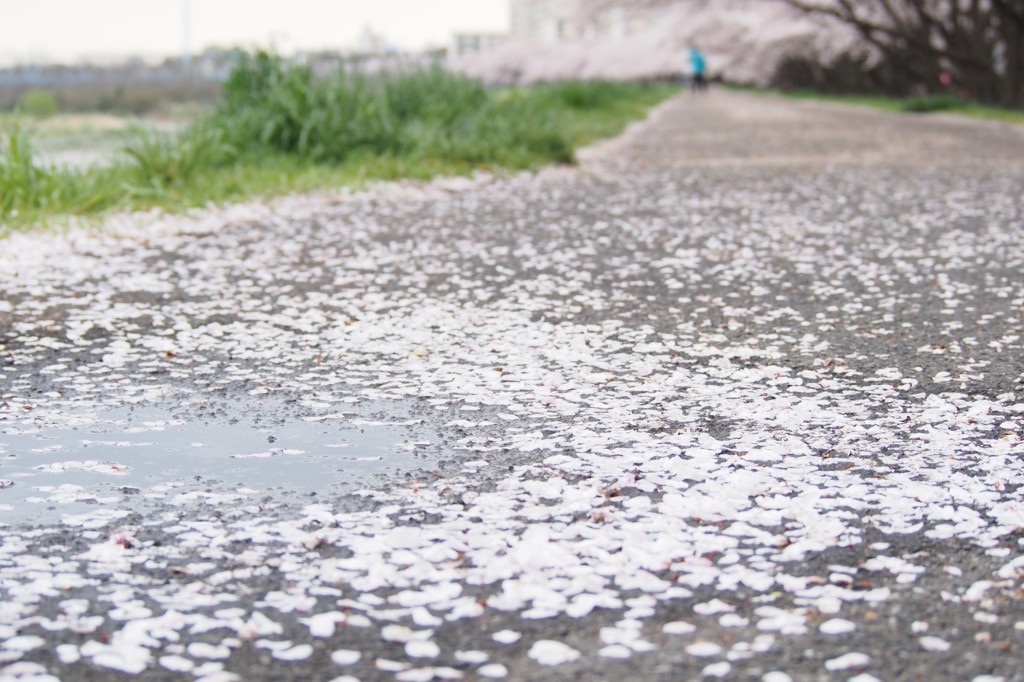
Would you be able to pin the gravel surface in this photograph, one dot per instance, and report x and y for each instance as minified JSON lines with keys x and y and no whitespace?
{"x":739,"y":398}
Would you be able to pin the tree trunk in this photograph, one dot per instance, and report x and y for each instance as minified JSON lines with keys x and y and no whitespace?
{"x":979,"y":42}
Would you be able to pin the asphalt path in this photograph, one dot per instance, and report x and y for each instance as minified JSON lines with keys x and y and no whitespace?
{"x":739,"y":397}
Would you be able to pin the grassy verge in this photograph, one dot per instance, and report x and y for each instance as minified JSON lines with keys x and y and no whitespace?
{"x":277,"y":129}
{"x":913,"y":105}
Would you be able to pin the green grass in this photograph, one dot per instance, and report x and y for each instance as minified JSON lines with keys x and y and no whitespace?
{"x":601,"y":109}
{"x":279,"y":130}
{"x":921,"y":104}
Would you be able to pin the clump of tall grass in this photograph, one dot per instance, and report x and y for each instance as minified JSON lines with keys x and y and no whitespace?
{"x":159,"y":161}
{"x":269,"y":106}
{"x":27,"y":186}
{"x":20,"y":179}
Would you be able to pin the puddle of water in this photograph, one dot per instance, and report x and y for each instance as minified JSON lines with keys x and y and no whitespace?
{"x":129,"y":457}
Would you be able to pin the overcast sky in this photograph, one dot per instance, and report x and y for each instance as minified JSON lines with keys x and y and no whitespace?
{"x":70,"y":29}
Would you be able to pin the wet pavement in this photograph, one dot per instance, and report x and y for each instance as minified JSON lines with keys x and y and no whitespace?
{"x":135,"y":459}
{"x":739,"y":398}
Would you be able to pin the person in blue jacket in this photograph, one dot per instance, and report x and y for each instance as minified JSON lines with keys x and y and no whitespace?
{"x":698,"y":68}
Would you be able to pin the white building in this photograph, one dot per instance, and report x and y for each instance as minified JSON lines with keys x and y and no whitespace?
{"x":559,"y":21}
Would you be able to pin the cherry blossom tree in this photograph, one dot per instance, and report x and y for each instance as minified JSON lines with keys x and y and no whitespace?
{"x":975,"y":46}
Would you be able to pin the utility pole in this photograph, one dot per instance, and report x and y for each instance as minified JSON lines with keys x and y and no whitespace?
{"x":186,"y":37}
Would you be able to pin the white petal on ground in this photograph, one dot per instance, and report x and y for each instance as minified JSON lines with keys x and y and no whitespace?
{"x":422,"y":649}
{"x":934,"y":644}
{"x":837,"y":626}
{"x":714,"y":670}
{"x":27,"y":672}
{"x":389,"y":666}
{"x":506,"y":636}
{"x":324,"y":624}
{"x":776,"y":676}
{"x":678,"y":627}
{"x":177,"y":664}
{"x":615,"y":651}
{"x":205,"y":650}
{"x":550,"y":652}
{"x":848,"y":661}
{"x":704,"y":649}
{"x":24,"y":643}
{"x":473,"y":657}
{"x":346,"y":657}
{"x":402,"y":634}
{"x":713,"y":607}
